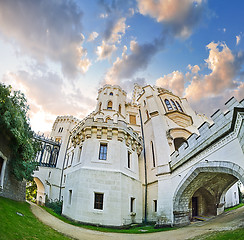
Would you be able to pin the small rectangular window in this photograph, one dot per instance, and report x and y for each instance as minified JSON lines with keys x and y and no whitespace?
{"x":133,"y":119}
{"x":132,"y":203}
{"x":98,"y":201}
{"x":79,"y":153}
{"x":67,"y":160}
{"x":129,"y":160}
{"x":70,"y":196}
{"x":58,"y":139}
{"x":72,"y":158}
{"x":103,"y":151}
{"x":155,"y":205}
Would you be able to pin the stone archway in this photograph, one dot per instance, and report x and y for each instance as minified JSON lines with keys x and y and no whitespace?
{"x":40,"y":198}
{"x":207,"y":181}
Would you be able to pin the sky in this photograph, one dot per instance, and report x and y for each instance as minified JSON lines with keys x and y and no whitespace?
{"x":60,"y":52}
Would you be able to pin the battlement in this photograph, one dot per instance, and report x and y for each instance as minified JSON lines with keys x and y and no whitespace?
{"x":207,"y":134}
{"x":112,"y":87}
{"x":108,"y":130}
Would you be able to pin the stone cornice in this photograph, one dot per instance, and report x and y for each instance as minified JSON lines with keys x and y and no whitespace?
{"x":107,"y":131}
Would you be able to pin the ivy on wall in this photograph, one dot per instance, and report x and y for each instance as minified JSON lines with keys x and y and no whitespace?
{"x":16,"y":131}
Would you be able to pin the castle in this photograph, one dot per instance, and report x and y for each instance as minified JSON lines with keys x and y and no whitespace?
{"x":152,"y":159}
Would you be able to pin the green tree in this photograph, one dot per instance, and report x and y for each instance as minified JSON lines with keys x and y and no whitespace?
{"x":15,"y":127}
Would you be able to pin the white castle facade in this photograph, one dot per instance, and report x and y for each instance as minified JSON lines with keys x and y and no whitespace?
{"x":152,"y":159}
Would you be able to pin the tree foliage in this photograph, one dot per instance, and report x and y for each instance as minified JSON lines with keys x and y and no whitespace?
{"x":15,"y":127}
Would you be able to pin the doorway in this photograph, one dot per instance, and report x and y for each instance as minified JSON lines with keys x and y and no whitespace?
{"x":194,"y":206}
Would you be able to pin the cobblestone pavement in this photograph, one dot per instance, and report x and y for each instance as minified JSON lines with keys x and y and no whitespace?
{"x":227,"y":221}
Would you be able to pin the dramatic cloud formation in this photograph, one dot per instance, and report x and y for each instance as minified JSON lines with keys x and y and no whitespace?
{"x":224,"y":66}
{"x":174,"y":80}
{"x":179,"y":16}
{"x":105,"y":51}
{"x":129,"y":64}
{"x":224,"y":80}
{"x":48,"y":94}
{"x":117,"y":31}
{"x":46,"y":29}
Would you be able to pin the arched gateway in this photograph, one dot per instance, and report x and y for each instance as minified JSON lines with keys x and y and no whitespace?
{"x":203,"y":189}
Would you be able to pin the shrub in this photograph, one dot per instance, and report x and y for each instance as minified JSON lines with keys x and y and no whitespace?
{"x":56,"y":205}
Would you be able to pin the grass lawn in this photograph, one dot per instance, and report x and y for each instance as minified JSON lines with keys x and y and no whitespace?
{"x":134,"y":229}
{"x":27,"y":227}
{"x":235,"y":207}
{"x":237,"y":234}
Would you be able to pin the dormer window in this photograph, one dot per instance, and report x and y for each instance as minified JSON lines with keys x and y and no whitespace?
{"x":178,"y":105}
{"x":168,"y":104}
{"x":111,"y":94}
{"x":110,"y":105}
{"x":173,"y":103}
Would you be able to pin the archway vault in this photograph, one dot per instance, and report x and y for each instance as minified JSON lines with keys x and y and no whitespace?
{"x":40,"y":191}
{"x":208,"y":180}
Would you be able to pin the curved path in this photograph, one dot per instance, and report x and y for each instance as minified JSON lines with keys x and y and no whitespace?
{"x":227,"y":221}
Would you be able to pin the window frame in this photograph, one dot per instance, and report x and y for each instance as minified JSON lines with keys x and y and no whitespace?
{"x":179,"y":106}
{"x":168,"y":104}
{"x":132,"y":204}
{"x":132,"y":119}
{"x":103,"y":154}
{"x":155,"y":205}
{"x":129,"y":159}
{"x":174,"y":105}
{"x":108,"y":105}
{"x":70,"y":196}
{"x":98,"y":205}
{"x":153,"y":155}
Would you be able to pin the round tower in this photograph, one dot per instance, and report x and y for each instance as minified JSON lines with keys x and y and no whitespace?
{"x":111,"y":103}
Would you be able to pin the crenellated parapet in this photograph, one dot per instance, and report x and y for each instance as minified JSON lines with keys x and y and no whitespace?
{"x":64,"y":119}
{"x":210,"y":136}
{"x":100,"y":129}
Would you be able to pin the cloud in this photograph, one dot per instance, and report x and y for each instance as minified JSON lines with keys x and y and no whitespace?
{"x":206,"y":92}
{"x":224,"y":66}
{"x":92,"y":36}
{"x":194,"y":69}
{"x":238,"y":39}
{"x":178,"y":16}
{"x":105,"y":51}
{"x":115,"y":29}
{"x":126,"y":66}
{"x":173,"y":81}
{"x":46,"y":29}
{"x":48,"y":94}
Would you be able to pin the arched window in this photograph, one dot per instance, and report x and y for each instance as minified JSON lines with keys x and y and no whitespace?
{"x":178,"y":142}
{"x":173,"y":103}
{"x":179,"y":106}
{"x":111,"y":94}
{"x":168,"y":104}
{"x":108,"y":118}
{"x":153,"y":155}
{"x":120,"y":109}
{"x":100,"y":107}
{"x":110,"y":105}
{"x":147,"y":114}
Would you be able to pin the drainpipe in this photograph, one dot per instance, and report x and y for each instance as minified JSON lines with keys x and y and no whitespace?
{"x":145,"y":167}
{"x":61,"y":180}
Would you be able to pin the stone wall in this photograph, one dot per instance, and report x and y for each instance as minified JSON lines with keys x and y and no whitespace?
{"x":10,"y":187}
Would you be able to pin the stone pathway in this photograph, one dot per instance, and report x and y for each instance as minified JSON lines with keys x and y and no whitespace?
{"x":227,"y":221}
